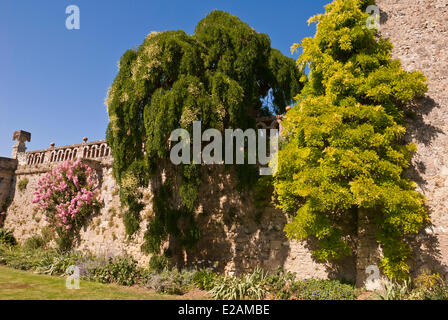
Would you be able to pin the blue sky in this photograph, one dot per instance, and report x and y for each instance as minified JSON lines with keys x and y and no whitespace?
{"x":53,"y":81}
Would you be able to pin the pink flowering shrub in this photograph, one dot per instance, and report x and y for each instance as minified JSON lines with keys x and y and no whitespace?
{"x":67,"y":196}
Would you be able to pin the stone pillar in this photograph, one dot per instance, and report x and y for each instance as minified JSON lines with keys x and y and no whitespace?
{"x":19,"y":149}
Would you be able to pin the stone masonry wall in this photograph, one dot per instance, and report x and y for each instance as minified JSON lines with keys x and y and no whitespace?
{"x":235,"y":234}
{"x":7,"y":168}
{"x":419,"y":31}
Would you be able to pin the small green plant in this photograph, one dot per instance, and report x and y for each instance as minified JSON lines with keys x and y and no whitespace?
{"x":438,"y":292}
{"x":170,"y":281}
{"x":120,"y":270}
{"x":249,"y":286}
{"x":22,"y":185}
{"x":7,"y":237}
{"x":47,"y":234}
{"x":281,"y":284}
{"x":55,"y":263}
{"x":159,"y":263}
{"x":429,"y":286}
{"x":205,"y":279}
{"x":34,"y":242}
{"x":317,"y":289}
{"x":426,"y":281}
{"x":394,"y":291}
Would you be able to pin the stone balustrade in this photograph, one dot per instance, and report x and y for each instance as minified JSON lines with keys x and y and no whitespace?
{"x":95,"y":150}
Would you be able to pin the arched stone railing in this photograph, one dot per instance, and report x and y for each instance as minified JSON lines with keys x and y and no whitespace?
{"x":95,"y":150}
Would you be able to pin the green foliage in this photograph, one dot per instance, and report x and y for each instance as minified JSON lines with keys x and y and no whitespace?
{"x":170,"y":281}
{"x":124,"y":271}
{"x":130,"y":195}
{"x":426,"y":281}
{"x":263,"y":191}
{"x":220,"y":75}
{"x":437,"y":292}
{"x":343,"y":154}
{"x":325,"y":290}
{"x":249,"y":286}
{"x":281,"y":284}
{"x":429,"y":286}
{"x":7,"y":237}
{"x":394,"y":291}
{"x":22,"y":184}
{"x":47,"y":234}
{"x":55,"y":263}
{"x":205,"y":279}
{"x":34,"y":242}
{"x":159,"y":263}
{"x":119,"y":270}
{"x":48,"y":261}
{"x":169,"y":221}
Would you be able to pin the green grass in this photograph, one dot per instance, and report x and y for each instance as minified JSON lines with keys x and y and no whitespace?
{"x":22,"y":285}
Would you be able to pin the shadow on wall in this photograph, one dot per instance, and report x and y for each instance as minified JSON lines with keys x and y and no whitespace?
{"x":236,"y":236}
{"x":426,"y":247}
{"x":343,"y":268}
{"x":420,"y":132}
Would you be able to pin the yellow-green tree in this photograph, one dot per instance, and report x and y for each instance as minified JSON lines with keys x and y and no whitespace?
{"x":344,"y":154}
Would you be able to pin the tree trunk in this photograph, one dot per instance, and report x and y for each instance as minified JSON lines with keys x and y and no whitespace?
{"x":368,"y":251}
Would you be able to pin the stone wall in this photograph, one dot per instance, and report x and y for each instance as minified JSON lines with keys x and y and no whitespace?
{"x":419,"y":31}
{"x":7,"y":168}
{"x":235,"y":234}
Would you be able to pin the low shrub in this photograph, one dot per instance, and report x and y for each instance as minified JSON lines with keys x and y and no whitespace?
{"x":170,"y":281}
{"x":159,"y":263}
{"x":7,"y":237}
{"x":19,"y":258}
{"x":205,"y":279}
{"x":34,"y":242}
{"x":394,"y":291}
{"x":281,"y":284}
{"x":119,"y":270}
{"x":426,"y":281}
{"x":429,"y":287}
{"x":438,"y":292}
{"x":315,"y":289}
{"x":56,"y":263}
{"x":248,"y":286}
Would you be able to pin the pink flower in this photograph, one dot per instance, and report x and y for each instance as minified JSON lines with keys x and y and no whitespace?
{"x":61,"y":200}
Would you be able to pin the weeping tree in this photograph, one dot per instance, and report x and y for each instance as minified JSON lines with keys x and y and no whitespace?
{"x":225,"y":75}
{"x":344,"y":155}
